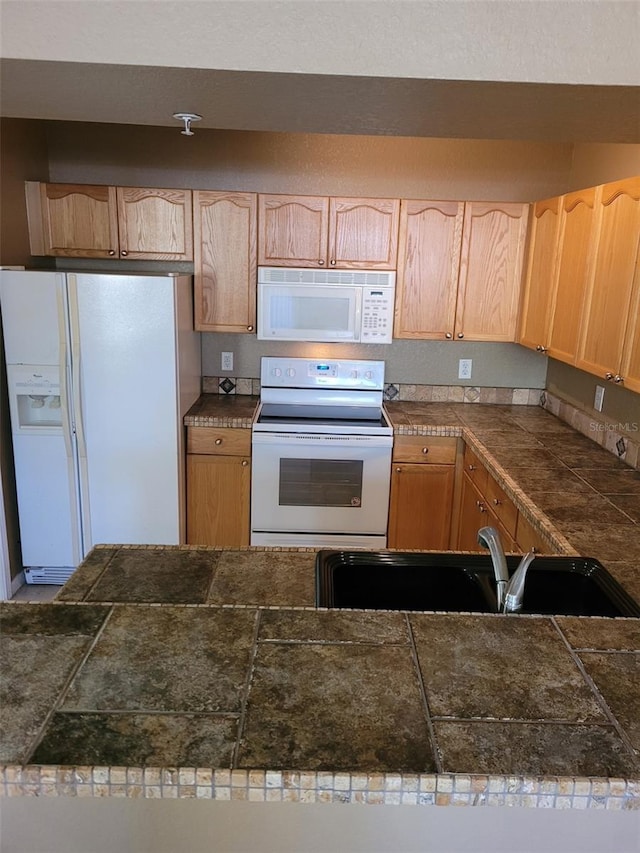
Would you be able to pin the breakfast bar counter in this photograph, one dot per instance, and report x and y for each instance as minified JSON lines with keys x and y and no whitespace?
{"x":204,"y":672}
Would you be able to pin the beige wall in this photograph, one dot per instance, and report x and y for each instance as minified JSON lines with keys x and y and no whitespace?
{"x":308,"y":163}
{"x":599,"y":163}
{"x":23,"y":155}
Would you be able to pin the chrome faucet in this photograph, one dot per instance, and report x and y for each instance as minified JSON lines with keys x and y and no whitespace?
{"x":509,"y":592}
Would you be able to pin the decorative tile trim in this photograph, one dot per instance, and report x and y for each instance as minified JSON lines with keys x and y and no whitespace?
{"x":621,"y":439}
{"x":426,"y":789}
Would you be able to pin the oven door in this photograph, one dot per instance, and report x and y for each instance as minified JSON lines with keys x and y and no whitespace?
{"x":320,"y":489}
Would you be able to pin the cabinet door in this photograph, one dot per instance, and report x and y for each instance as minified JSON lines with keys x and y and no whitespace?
{"x":155,"y":224}
{"x":428,"y":268}
{"x":293,"y":231}
{"x":541,"y":274}
{"x":420,"y":507}
{"x":218,"y":489}
{"x":225,"y":261}
{"x":493,"y":239}
{"x":608,"y":300}
{"x":363,"y":233}
{"x":73,"y":221}
{"x":574,"y":264}
{"x":631,"y":357}
{"x":474,"y":514}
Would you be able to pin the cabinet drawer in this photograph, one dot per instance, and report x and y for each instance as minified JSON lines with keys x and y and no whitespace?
{"x":435,"y":450}
{"x":528,"y":537}
{"x":475,"y":470}
{"x":221,"y":441}
{"x":502,"y":505}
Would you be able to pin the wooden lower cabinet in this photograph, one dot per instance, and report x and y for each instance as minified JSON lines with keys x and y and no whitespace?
{"x":475,"y":512}
{"x":420,"y":515}
{"x":218,"y":486}
{"x":422,"y":484}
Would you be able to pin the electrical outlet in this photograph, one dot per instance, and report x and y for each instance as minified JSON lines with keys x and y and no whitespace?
{"x":599,"y":398}
{"x":227,"y":361}
{"x":464,"y":368}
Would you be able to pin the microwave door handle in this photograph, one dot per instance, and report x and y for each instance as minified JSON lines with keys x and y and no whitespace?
{"x":357,"y":326}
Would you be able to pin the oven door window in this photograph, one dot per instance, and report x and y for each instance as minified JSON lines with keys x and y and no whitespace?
{"x":320,"y":482}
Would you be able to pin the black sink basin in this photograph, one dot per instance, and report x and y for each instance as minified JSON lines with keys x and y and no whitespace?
{"x":388,"y":580}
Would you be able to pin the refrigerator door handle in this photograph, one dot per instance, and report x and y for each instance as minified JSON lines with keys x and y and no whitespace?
{"x":75,"y":365}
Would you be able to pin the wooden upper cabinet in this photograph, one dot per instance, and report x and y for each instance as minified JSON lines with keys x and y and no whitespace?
{"x":313,"y":231}
{"x":83,"y":221}
{"x":225,"y":261}
{"x":293,"y":231}
{"x":493,"y":240}
{"x":537,"y":299}
{"x":630,"y":369}
{"x":72,"y":220}
{"x":155,"y":224}
{"x":363,"y":233}
{"x":577,"y":233}
{"x":609,"y":297}
{"x":428,"y":267}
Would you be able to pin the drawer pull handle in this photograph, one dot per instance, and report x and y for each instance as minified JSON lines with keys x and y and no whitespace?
{"x":425,"y":450}
{"x":218,"y":441}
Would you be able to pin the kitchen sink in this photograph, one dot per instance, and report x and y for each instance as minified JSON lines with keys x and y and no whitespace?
{"x":388,"y":580}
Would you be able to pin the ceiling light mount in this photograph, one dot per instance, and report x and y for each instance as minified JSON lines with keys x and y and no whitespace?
{"x":187,"y":118}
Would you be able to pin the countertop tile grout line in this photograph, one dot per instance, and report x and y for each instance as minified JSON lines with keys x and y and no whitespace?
{"x":423,"y":696}
{"x":214,"y":574}
{"x":85,"y":597}
{"x":235,"y":755}
{"x":597,"y":694}
{"x":35,"y":742}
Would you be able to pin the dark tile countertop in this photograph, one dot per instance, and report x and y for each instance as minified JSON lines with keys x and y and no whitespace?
{"x":201,"y":672}
{"x":159,"y":665}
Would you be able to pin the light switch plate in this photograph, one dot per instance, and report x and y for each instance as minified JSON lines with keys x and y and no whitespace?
{"x":464,"y":368}
{"x":599,"y":398}
{"x":226,"y":361}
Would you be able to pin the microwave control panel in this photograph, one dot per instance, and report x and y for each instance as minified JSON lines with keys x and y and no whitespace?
{"x":377,"y":315}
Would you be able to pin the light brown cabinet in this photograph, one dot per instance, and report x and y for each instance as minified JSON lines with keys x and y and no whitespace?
{"x":459,"y":270}
{"x":540,"y":280}
{"x":428,"y":269}
{"x":577,"y":236}
{"x":422,"y":484}
{"x":608,"y":338}
{"x":218,"y":486}
{"x":314,"y":231}
{"x":483,"y":502}
{"x":83,"y":221}
{"x":225,"y":261}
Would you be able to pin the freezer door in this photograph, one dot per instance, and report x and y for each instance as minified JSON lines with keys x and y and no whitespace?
{"x":32,"y":311}
{"x":125,"y":388}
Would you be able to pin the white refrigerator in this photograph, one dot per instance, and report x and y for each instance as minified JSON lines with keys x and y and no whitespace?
{"x":101,"y":369}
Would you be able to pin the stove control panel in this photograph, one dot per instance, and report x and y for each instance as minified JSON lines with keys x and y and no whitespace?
{"x":321,"y":373}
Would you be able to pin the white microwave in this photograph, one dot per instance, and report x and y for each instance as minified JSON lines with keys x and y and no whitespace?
{"x":334,"y":306}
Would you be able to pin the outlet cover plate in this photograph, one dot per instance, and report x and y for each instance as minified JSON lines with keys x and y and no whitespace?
{"x":226,"y":362}
{"x":599,"y":398}
{"x":464,"y":368}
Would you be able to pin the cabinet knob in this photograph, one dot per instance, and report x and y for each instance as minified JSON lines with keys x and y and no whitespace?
{"x":124,"y":253}
{"x":425,"y":450}
{"x":543,"y":349}
{"x":249,"y":328}
{"x":321,"y":262}
{"x":608,"y":376}
{"x":618,"y":379}
{"x":112,"y":251}
{"x":460,"y":335}
{"x":481,"y":506}
{"x":497,"y":501}
{"x":332,"y":262}
{"x":472,"y":467}
{"x":448,"y":336}
{"x":398,"y":470}
{"x":218,"y":441}
{"x":244,"y":463}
